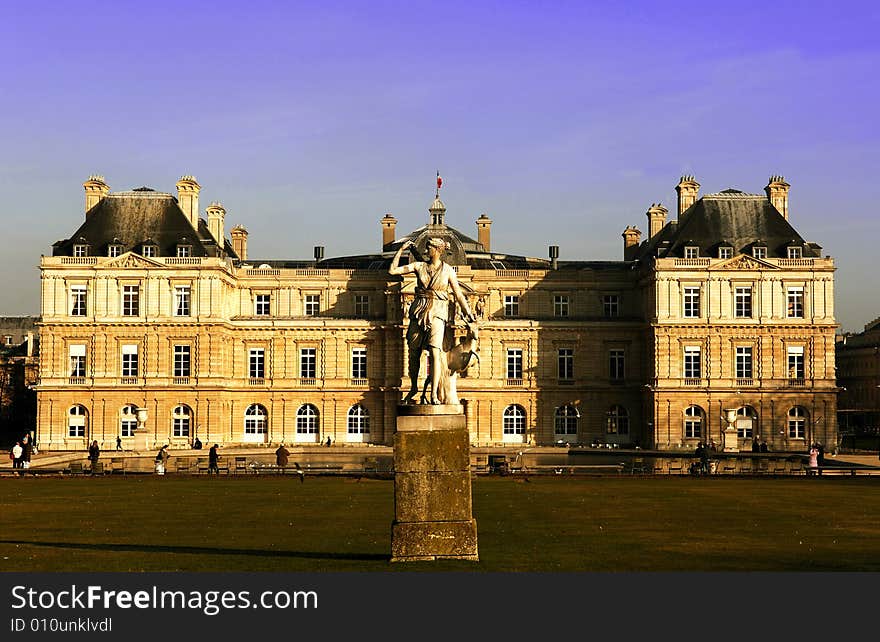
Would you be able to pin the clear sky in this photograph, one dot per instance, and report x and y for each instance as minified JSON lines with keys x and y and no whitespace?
{"x":563,"y":121}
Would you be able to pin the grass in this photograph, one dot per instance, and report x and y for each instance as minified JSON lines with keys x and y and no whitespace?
{"x":151,"y":523}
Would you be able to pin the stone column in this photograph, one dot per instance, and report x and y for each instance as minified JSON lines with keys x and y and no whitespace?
{"x":433,"y":516}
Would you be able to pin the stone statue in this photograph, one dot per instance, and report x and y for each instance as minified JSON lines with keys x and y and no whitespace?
{"x":429,"y":315}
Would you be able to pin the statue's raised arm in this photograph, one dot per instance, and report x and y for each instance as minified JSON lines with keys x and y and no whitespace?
{"x":396,"y":269}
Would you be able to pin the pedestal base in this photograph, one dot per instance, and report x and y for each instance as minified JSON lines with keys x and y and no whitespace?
{"x":428,"y":541}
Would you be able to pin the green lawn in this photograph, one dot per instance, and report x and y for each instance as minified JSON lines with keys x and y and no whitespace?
{"x":243,"y":523}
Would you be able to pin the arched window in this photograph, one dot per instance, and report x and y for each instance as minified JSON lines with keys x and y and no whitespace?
{"x":77,"y":418}
{"x":358,"y":420}
{"x":617,"y":421}
{"x":255,"y":420}
{"x":797,"y":423}
{"x":307,"y":420}
{"x":128,"y":420}
{"x":181,"y":419}
{"x":746,"y":419}
{"x":566,"y":421}
{"x":514,"y":424}
{"x":693,"y":422}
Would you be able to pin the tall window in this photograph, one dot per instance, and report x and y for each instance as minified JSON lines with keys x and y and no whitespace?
{"x":744,"y":362}
{"x":358,"y":363}
{"x":795,"y":309}
{"x":307,"y":420}
{"x":181,"y":418}
{"x":130,"y":300}
{"x":182,"y":361}
{"x":129,"y":360}
{"x":511,"y":305}
{"x":795,"y":362}
{"x":77,"y":417}
{"x":181,"y":300}
{"x":307,"y":363}
{"x":358,"y":420}
{"x":692,"y":362}
{"x":78,"y":360}
{"x":312,"y":305}
{"x":257,"y":363}
{"x":692,"y":302}
{"x":514,"y":422}
{"x":797,"y":423}
{"x":565,"y":364}
{"x":745,"y":422}
{"x":514,"y":363}
{"x":78,"y":300}
{"x":565,"y":422}
{"x":255,"y":420}
{"x":261,"y":305}
{"x":742,"y":297}
{"x":616,"y":364}
{"x":693,"y":422}
{"x":691,"y":252}
{"x":617,"y":421}
{"x":610,"y":306}
{"x":560,"y":305}
{"x":362,"y":305}
{"x":128,"y":420}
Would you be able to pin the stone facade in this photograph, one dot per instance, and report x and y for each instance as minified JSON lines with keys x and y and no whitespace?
{"x":858,"y":373}
{"x":146,"y":305}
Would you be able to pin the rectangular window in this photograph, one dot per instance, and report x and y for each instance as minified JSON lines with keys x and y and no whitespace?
{"x":725,"y":252}
{"x":744,"y":362}
{"x":130,"y":300}
{"x":560,"y":305}
{"x":691,"y":252}
{"x":78,"y":360}
{"x":795,"y":252}
{"x":796,"y":362}
{"x":362,"y":305}
{"x":565,"y":364}
{"x":610,"y":306}
{"x":257,"y":363}
{"x":759,"y":252}
{"x":182,"y":361}
{"x":692,"y":362}
{"x":77,"y":300}
{"x":129,"y":360}
{"x":511,"y":305}
{"x":795,"y":309}
{"x":742,"y":303}
{"x":80,"y":251}
{"x":114,"y":250}
{"x":312,"y":305}
{"x":616,"y":364}
{"x":514,"y":363}
{"x":148,"y":251}
{"x":358,"y":363}
{"x":692,"y":302}
{"x":184,"y":251}
{"x":308,"y":363}
{"x":181,"y":300}
{"x":261,"y":304}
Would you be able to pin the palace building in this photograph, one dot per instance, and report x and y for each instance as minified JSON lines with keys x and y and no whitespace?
{"x":150,"y":305}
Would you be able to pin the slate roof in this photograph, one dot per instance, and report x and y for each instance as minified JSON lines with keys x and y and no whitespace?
{"x":136,"y":217}
{"x":732,"y":218}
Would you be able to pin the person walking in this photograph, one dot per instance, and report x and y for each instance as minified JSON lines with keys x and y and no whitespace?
{"x":26,"y":449}
{"x":813,"y":461}
{"x":328,"y":442}
{"x":118,"y":443}
{"x":162,"y":459}
{"x":213,"y":459}
{"x":281,"y":456}
{"x":820,"y":457}
{"x":94,"y":453}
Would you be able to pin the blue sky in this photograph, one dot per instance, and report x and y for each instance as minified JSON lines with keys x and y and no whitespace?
{"x":563,"y":121}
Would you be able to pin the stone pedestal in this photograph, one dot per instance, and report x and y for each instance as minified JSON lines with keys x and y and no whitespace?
{"x":433,"y":516}
{"x":141,"y":439}
{"x":731,"y":441}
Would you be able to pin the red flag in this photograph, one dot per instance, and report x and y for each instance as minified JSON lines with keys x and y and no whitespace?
{"x":439,"y":181}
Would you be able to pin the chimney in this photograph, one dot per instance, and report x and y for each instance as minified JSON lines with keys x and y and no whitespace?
{"x":30,"y":344}
{"x":631,"y":238}
{"x":216,"y":216}
{"x":389,"y":227}
{"x":96,"y":189}
{"x":319,"y":253}
{"x":554,"y":255}
{"x":484,"y":224}
{"x":188,"y":198}
{"x":239,"y":241}
{"x":777,"y":193}
{"x":656,"y":219}
{"x":687,"y":189}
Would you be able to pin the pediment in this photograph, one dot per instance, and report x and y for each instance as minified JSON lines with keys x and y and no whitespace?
{"x":132,"y":260}
{"x":744,"y":262}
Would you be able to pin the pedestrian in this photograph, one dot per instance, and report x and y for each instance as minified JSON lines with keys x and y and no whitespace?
{"x":213,"y":459}
{"x":26,"y":449}
{"x":300,"y":472}
{"x":281,"y":456}
{"x":197,"y":444}
{"x":704,"y":459}
{"x":328,"y":442}
{"x":118,"y":443}
{"x":162,"y":459}
{"x":756,"y":445}
{"x":16,"y":454}
{"x":813,"y":461}
{"x":820,"y":457}
{"x":94,"y":453}
{"x":764,"y":447}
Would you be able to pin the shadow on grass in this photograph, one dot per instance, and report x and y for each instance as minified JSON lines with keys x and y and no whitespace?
{"x":200,"y":550}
